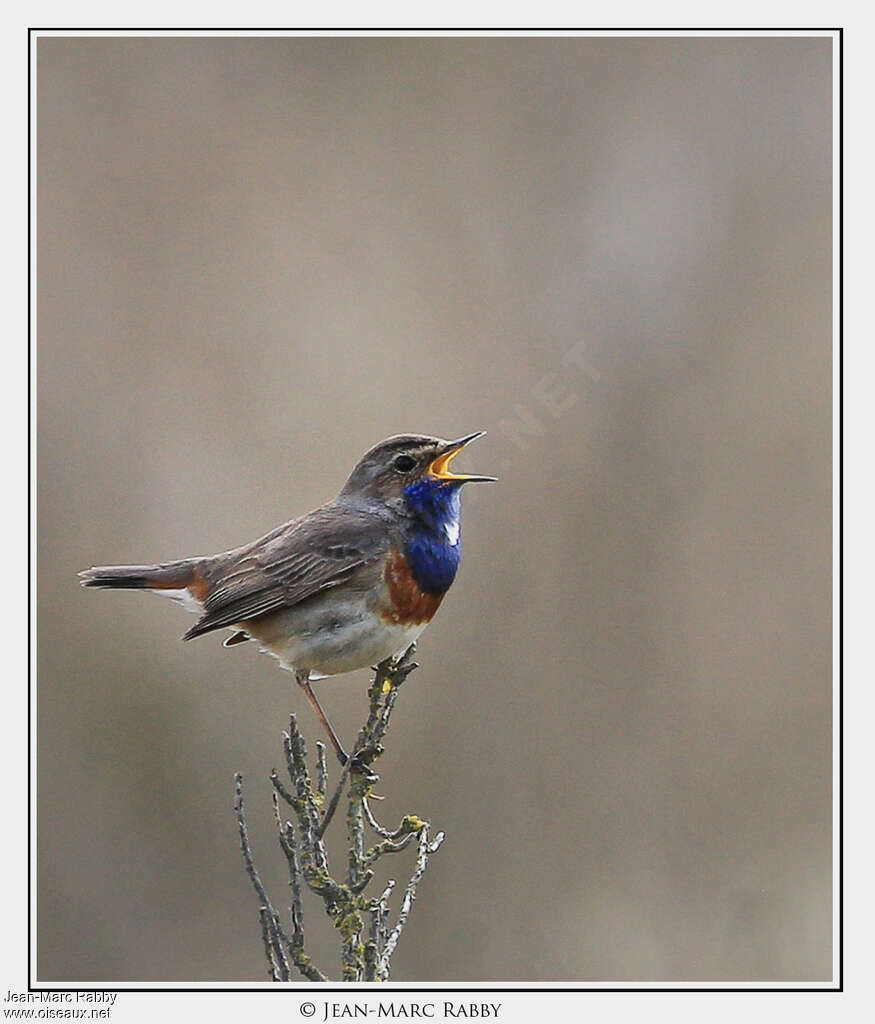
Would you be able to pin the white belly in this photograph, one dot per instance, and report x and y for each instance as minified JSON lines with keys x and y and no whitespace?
{"x":349,"y":638}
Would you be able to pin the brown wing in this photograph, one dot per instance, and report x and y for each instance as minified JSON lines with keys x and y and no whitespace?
{"x":306,"y":556}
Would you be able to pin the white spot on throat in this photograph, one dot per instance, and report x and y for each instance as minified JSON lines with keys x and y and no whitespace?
{"x":452,"y":529}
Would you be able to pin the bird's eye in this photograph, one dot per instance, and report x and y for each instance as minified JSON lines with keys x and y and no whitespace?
{"x":403,"y":463}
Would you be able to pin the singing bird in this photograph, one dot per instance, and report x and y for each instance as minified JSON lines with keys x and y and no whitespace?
{"x":344,"y":586}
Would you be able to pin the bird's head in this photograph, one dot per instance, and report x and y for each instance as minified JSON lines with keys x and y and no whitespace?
{"x":393,"y":466}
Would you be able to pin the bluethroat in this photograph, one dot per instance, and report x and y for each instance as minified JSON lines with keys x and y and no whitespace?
{"x":341,"y":588}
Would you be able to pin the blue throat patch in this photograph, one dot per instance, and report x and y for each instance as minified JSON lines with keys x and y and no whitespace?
{"x":432,"y":555}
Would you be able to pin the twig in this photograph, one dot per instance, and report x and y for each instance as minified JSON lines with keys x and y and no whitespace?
{"x":375,"y":825}
{"x":335,"y":800}
{"x":289,"y":847}
{"x":321,"y":769}
{"x":425,"y":848}
{"x":274,"y":937}
{"x":281,"y":789}
{"x":377,"y":934}
{"x":267,"y":939}
{"x":301,"y":840}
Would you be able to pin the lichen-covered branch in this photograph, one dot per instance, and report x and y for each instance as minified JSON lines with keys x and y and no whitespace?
{"x":425,"y":848}
{"x":301,"y":840}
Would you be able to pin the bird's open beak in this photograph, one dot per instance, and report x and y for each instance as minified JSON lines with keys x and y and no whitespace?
{"x":440,"y":467}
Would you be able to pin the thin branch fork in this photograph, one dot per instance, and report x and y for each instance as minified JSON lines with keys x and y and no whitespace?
{"x":366,"y":950}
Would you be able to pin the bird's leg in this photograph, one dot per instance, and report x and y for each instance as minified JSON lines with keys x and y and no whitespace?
{"x":303,"y":680}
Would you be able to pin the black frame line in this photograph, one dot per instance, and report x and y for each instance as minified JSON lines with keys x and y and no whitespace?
{"x":399,"y":993}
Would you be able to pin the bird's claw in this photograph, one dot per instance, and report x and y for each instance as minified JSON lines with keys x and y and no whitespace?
{"x":359,"y":764}
{"x":369,"y":754}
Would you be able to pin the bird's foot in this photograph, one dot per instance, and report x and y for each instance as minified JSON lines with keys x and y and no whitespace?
{"x":360,"y":763}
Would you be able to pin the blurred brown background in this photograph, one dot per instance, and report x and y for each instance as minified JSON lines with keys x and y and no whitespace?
{"x":257,"y":257}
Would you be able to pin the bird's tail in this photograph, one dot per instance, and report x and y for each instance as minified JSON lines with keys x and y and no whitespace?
{"x":183,"y":575}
